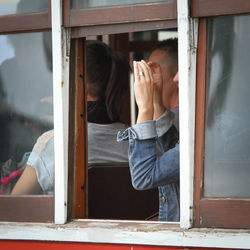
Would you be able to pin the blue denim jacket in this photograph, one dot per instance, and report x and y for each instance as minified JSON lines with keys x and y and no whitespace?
{"x":148,"y":170}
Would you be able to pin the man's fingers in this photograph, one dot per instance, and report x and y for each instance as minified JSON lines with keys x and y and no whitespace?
{"x":147,"y":69}
{"x":136,"y":71}
{"x":141,"y":69}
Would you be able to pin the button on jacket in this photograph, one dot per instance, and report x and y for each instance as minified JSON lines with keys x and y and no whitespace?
{"x":149,"y":171}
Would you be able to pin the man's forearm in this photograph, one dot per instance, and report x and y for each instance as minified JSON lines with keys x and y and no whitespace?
{"x":158,"y":111}
{"x":145,"y":115}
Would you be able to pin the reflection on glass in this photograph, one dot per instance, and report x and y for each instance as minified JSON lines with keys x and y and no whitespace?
{"x":140,"y":39}
{"x":22,"y":6}
{"x":143,"y":36}
{"x":227,"y":127}
{"x":26,"y":109}
{"x":157,"y":35}
{"x":84,"y":4}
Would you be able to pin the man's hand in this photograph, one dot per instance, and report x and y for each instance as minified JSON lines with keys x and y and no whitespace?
{"x":143,"y":87}
{"x":158,"y":88}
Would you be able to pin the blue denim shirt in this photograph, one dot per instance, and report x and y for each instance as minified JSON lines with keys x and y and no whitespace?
{"x":149,"y":171}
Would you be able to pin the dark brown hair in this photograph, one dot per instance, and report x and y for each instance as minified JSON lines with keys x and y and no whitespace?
{"x":170,"y":47}
{"x":107,"y":76}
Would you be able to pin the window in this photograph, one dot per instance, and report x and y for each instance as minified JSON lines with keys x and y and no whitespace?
{"x":215,"y":206}
{"x":101,"y":22}
{"x":222,"y":165}
{"x":118,"y":200}
{"x":77,"y":13}
{"x":26,"y":111}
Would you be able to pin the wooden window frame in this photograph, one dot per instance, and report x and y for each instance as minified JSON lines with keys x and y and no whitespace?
{"x":26,"y":22}
{"x":78,"y":168}
{"x":26,"y":208}
{"x":113,"y":15}
{"x":211,"y":212}
{"x":122,"y":28}
{"x":205,"y":8}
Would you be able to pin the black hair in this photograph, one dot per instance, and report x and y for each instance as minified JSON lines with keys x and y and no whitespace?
{"x":107,"y":76}
{"x":170,"y":47}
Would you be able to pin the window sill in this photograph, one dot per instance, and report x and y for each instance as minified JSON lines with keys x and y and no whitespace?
{"x":126,"y":232}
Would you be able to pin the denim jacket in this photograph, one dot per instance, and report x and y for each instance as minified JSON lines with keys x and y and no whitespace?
{"x":149,"y":171}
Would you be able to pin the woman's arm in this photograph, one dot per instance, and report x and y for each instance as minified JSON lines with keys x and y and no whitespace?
{"x":27,"y":183}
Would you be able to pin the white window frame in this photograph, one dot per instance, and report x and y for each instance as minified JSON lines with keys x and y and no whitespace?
{"x":60,"y":46}
{"x":187,"y":53}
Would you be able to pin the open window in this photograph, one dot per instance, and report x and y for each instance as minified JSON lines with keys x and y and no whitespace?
{"x":104,"y":190}
{"x":146,"y":23}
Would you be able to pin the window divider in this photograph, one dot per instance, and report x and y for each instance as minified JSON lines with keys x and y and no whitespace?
{"x":203,"y":8}
{"x":187,"y":38}
{"x":28,"y":208}
{"x":78,"y":32}
{"x":113,"y":15}
{"x":24,"y":22}
{"x":199,"y":125}
{"x":61,"y":51}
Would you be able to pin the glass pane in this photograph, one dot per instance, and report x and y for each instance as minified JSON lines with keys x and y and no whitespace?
{"x":227,"y":126}
{"x":143,"y":36}
{"x":8,"y":7}
{"x":84,"y":4}
{"x":26,"y":100}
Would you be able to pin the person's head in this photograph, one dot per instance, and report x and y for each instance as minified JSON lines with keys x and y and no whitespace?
{"x":166,"y":55}
{"x":107,"y":76}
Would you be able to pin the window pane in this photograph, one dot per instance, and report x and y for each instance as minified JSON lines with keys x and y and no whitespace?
{"x":227,"y":126}
{"x":84,"y":4}
{"x":8,"y":7}
{"x":26,"y":103}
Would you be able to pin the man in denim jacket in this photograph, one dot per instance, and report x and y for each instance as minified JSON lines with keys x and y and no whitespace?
{"x":155,"y":125}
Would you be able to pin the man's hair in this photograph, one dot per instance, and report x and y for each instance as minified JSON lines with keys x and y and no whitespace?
{"x":170,"y":47}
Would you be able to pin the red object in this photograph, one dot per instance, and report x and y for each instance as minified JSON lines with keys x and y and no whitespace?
{"x":6,"y":180}
{"x":38,"y":245}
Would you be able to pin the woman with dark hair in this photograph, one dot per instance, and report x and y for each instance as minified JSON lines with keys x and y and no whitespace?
{"x":107,"y":81}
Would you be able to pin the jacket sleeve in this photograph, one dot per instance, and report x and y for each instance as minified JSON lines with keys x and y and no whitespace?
{"x":167,"y":134}
{"x":148,"y":171}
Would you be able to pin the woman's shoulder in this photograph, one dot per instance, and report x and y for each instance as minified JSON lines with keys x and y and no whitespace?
{"x":110,"y":126}
{"x":43,"y":141}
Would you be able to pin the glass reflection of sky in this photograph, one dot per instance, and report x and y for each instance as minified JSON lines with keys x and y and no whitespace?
{"x":7,"y":51}
{"x":9,"y":7}
{"x":26,"y":74}
{"x":78,"y":4}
